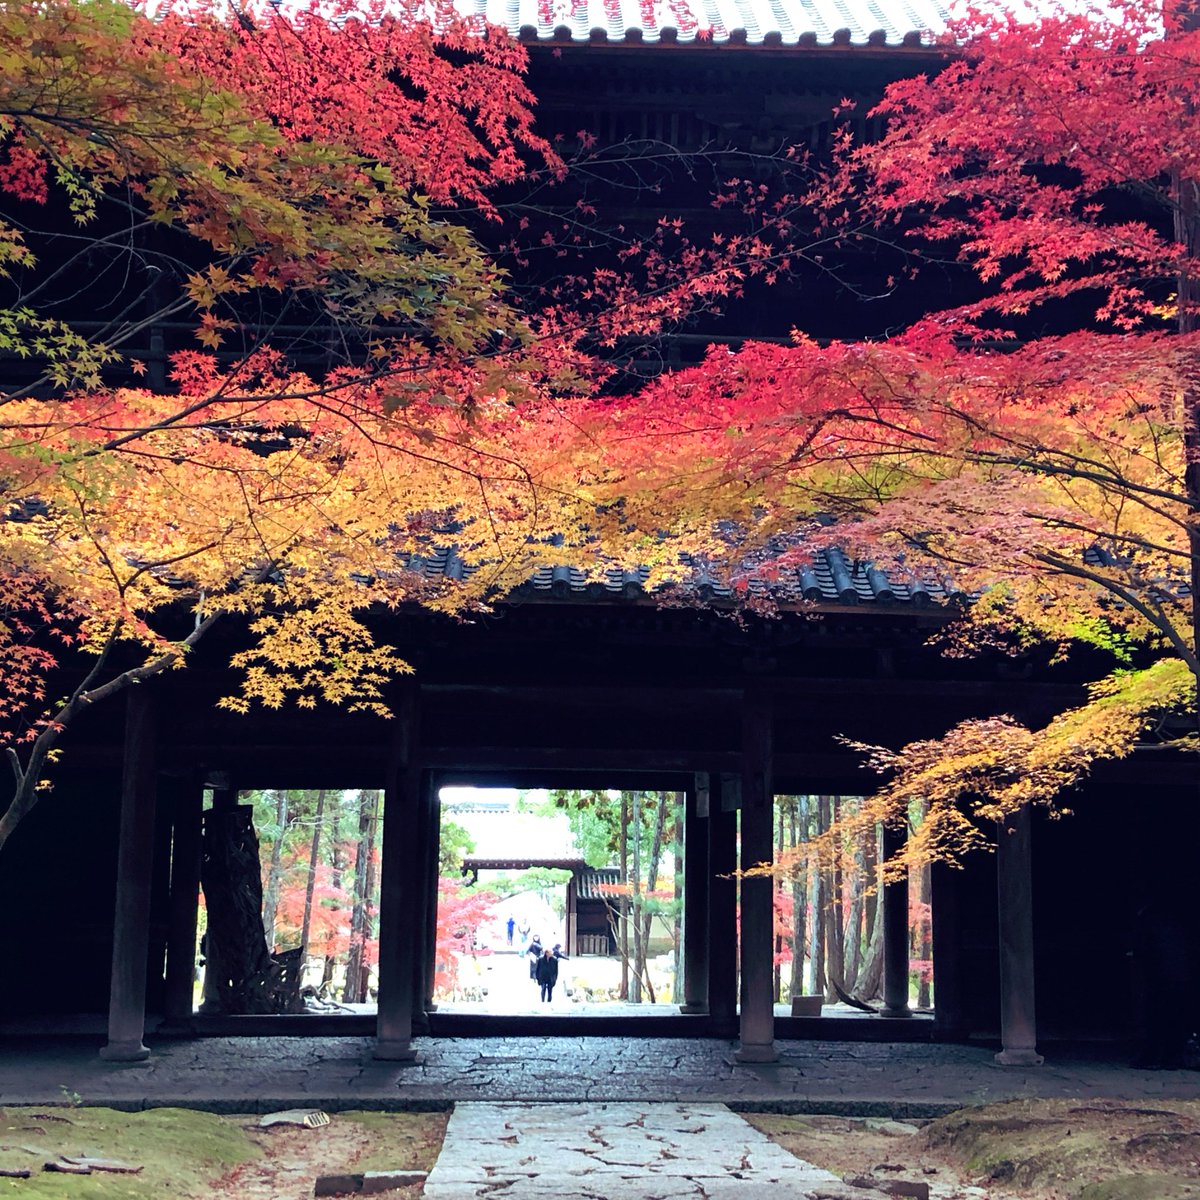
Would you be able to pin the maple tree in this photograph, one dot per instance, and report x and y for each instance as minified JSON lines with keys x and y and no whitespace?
{"x":302,"y":192}
{"x":461,"y":912}
{"x":1036,"y":442}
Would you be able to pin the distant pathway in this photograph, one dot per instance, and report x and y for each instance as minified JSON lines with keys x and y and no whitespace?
{"x":622,"y":1151}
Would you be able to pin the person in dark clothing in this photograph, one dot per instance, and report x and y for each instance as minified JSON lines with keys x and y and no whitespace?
{"x":535,"y":955}
{"x":547,"y":974}
{"x":509,"y":928}
{"x":558,"y":950}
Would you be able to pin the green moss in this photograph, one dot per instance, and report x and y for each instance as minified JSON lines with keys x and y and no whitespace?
{"x":180,"y":1151}
{"x":1141,"y":1187}
{"x":408,"y":1141}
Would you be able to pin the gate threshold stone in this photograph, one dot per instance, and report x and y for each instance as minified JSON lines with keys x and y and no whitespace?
{"x":625,"y":1151}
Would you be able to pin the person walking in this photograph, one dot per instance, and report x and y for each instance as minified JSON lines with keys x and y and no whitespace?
{"x":511,"y":925}
{"x":547,"y":974}
{"x":535,"y":955}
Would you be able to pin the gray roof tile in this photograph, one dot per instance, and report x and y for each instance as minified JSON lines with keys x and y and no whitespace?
{"x":749,"y":22}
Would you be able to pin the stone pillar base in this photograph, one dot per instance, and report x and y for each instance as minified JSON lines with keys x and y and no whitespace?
{"x":124,"y":1052}
{"x":755,"y":1052}
{"x":896,"y":1012}
{"x":401,"y":1052}
{"x":692,"y":1010}
{"x":1019,"y":1058}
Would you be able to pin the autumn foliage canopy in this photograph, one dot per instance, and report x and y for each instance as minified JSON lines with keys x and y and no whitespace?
{"x":315,"y":187}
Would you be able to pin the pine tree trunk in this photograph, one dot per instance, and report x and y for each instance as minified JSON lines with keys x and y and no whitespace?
{"x":275,"y":871}
{"x":623,"y":940}
{"x":776,"y":894}
{"x":639,"y":948}
{"x":311,"y":885}
{"x":652,"y":867}
{"x":799,"y":899}
{"x":355,"y":990}
{"x":854,"y":920}
{"x":925,"y":942}
{"x":870,"y":975}
{"x":677,"y":930}
{"x":816,"y":985}
{"x":834,"y":961}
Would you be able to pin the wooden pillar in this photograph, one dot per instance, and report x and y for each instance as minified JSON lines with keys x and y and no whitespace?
{"x":722,"y":904}
{"x":399,"y":874}
{"x":224,"y":799}
{"x":756,"y":1029}
{"x":188,"y":802}
{"x":1018,"y":1020}
{"x":429,"y":831}
{"x":947,"y":953}
{"x":895,"y":929}
{"x":695,"y":896}
{"x":135,"y":870}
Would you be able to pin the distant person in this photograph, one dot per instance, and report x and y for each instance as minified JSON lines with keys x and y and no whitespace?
{"x":535,"y":955}
{"x":547,"y":974}
{"x":524,"y":931}
{"x":558,"y":950}
{"x":510,"y":927}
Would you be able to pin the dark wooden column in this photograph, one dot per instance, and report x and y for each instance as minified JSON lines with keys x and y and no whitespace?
{"x":429,"y":829}
{"x":694,"y":992}
{"x":895,"y":929}
{"x":1018,"y":1020}
{"x":224,"y":799}
{"x":400,"y":869}
{"x":756,"y":1028}
{"x":187,"y":795}
{"x":722,"y":905}
{"x":135,"y":871}
{"x":947,"y":952}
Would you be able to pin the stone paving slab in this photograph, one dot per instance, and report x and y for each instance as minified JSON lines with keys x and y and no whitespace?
{"x":262,"y":1074}
{"x":619,"y":1151}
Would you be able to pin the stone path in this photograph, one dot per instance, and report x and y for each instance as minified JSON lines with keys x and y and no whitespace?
{"x":262,"y":1074}
{"x":613,"y":1152}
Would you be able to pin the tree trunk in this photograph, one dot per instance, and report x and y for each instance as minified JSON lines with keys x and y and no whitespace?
{"x":623,"y":940}
{"x":275,"y":873}
{"x":816,"y":982}
{"x":639,"y":947}
{"x":834,"y":961}
{"x":853,"y":955}
{"x":311,"y":885}
{"x":776,"y":894}
{"x":231,"y":877}
{"x":870,"y":975}
{"x":355,"y":990}
{"x":677,"y":903}
{"x":799,"y":899}
{"x":652,"y":866}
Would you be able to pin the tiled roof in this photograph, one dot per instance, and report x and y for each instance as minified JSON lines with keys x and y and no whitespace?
{"x":588,"y":883}
{"x":831,"y":578}
{"x":716,"y":22}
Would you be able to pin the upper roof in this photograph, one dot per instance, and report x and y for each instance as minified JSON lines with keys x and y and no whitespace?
{"x":717,"y":22}
{"x":831,"y":579}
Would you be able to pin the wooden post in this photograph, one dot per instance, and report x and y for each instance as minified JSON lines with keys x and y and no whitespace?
{"x":757,"y":1024}
{"x":178,"y":1000}
{"x":947,"y":953}
{"x":135,"y":869}
{"x":430,"y":833}
{"x":895,"y":929}
{"x":224,"y":799}
{"x":722,"y":905}
{"x":399,"y":889}
{"x":695,"y":896}
{"x":1018,"y":1018}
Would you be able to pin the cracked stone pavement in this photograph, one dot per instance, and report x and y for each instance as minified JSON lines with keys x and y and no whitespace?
{"x":615,"y":1151}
